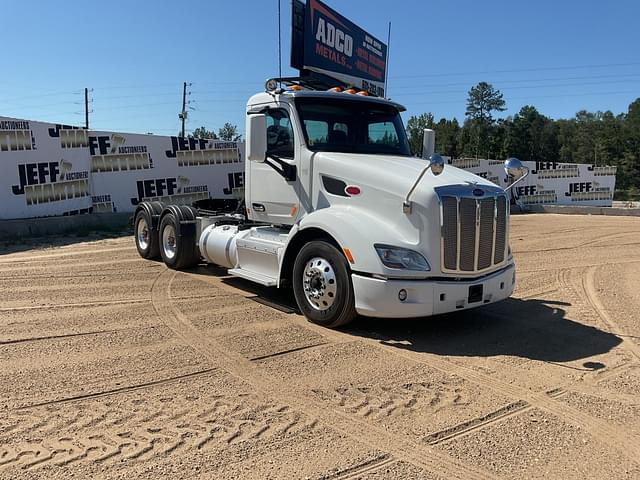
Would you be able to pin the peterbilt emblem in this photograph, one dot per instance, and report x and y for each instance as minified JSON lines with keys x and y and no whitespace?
{"x":478,"y":192}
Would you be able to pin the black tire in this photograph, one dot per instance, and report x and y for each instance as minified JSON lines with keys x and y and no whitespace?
{"x":183,"y":253}
{"x":316,"y":264}
{"x":146,"y":237}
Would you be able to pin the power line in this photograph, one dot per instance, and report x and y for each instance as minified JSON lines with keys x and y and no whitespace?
{"x":537,"y":69}
{"x":440,"y":102}
{"x":502,"y":82}
{"x":525,"y":87}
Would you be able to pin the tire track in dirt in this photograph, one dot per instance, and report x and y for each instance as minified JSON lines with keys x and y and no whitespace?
{"x":418,"y":454}
{"x":477,"y":423}
{"x":364,"y":468}
{"x":225,"y":422}
{"x":98,"y":303}
{"x":36,"y":257}
{"x":585,"y":292}
{"x":590,"y":295}
{"x":56,"y":337}
{"x":620,"y":441}
{"x":119,"y":390}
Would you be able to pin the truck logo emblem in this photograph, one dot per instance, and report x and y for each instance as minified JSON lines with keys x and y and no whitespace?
{"x":478,"y":192}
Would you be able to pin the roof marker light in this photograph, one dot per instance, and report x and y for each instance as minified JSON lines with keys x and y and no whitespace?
{"x":363,"y":93}
{"x":335,"y":89}
{"x":350,"y":90}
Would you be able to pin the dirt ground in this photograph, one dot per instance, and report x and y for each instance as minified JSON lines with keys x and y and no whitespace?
{"x":116,"y":367}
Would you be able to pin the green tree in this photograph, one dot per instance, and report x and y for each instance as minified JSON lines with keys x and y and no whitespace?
{"x":531,"y":136}
{"x":202,"y":132}
{"x":481,"y":101}
{"x":628,"y":177}
{"x":415,"y":131}
{"x":447,"y":132}
{"x":229,"y":132}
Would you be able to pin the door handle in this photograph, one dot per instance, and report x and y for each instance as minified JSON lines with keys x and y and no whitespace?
{"x":258,"y":207}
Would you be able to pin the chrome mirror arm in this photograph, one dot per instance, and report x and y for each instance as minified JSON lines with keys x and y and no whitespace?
{"x":436,"y":164}
{"x":526,"y":173}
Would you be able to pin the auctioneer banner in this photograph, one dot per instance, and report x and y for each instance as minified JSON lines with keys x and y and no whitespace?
{"x":48,"y":169}
{"x":44,"y":169}
{"x":127,"y":169}
{"x":551,"y":183}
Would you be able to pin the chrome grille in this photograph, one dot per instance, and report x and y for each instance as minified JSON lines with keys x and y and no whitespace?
{"x":474,"y":230}
{"x":501,"y":229}
{"x":450,"y":232}
{"x":467,"y":234}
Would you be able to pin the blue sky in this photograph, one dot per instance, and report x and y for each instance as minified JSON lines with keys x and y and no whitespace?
{"x":560,"y":56}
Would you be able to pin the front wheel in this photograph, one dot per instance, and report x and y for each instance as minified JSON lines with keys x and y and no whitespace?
{"x":322,"y":285}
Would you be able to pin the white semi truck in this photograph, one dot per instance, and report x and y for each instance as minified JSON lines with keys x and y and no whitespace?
{"x":335,"y":206}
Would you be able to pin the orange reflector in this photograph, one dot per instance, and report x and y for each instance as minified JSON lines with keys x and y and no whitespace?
{"x":350,"y":90}
{"x":293,"y":211}
{"x":295,"y":87}
{"x":347,"y":253}
{"x":335,"y":89}
{"x":363,"y":93}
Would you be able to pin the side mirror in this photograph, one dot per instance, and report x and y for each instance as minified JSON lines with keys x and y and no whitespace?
{"x":428,"y":142}
{"x":257,"y":137}
{"x":514,"y":168}
{"x":436,"y":163}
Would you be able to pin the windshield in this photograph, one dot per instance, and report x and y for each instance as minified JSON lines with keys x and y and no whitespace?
{"x":339,"y":125}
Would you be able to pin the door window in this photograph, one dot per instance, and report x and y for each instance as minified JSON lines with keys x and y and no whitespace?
{"x":279,"y":134}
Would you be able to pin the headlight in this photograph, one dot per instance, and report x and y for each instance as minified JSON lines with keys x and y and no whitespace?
{"x":401,"y":258}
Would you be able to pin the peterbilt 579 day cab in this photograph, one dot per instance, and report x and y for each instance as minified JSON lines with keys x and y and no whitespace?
{"x":336,"y":206}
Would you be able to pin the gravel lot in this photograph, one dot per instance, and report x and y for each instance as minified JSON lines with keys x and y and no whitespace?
{"x":116,"y":367}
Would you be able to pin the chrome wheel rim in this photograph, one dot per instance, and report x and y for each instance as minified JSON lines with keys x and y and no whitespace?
{"x":142,"y":233}
{"x":319,"y":283}
{"x":169,"y":241}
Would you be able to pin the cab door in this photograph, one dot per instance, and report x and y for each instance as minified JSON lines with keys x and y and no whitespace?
{"x":273,"y":185}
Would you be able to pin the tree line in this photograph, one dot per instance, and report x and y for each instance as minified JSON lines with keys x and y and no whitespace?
{"x":228,"y":132}
{"x":600,"y":138}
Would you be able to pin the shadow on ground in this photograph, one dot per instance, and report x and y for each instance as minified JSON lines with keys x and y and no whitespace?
{"x":532,"y":329}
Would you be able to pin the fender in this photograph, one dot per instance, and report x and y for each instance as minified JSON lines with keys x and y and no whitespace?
{"x":353,"y":228}
{"x":186,"y":217}
{"x":153,"y":209}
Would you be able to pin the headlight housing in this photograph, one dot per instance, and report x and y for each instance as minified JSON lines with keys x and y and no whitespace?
{"x":401,"y":258}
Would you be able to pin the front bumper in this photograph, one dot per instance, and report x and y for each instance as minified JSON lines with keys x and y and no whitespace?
{"x":379,"y":298}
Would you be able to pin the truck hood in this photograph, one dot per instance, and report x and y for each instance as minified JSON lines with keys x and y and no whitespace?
{"x":393,"y":174}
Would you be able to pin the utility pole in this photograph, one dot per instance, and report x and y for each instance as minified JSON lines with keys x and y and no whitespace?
{"x":183,"y":113}
{"x":86,"y":108}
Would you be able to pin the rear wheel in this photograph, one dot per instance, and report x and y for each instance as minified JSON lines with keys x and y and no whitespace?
{"x":322,"y":285}
{"x":177,"y":251}
{"x":146,"y":238}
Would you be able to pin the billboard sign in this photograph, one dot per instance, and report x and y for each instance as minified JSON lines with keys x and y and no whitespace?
{"x":336,"y":47}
